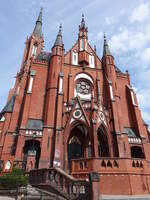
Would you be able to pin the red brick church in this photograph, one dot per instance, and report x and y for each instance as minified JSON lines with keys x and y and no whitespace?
{"x":78,"y":112}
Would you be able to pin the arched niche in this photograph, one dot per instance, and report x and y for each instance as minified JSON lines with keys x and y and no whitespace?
{"x":77,"y":142}
{"x":103,"y":147}
{"x":137,"y":152}
{"x":32,"y":147}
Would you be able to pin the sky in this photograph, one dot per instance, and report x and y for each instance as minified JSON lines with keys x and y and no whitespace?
{"x":125,"y":23}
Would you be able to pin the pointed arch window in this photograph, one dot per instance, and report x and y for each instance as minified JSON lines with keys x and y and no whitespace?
{"x":81,"y":44}
{"x":91,"y":60}
{"x":31,"y":80}
{"x":103,"y":147}
{"x":34,"y":50}
{"x":75,"y":57}
{"x":74,"y":140}
{"x":86,"y":44}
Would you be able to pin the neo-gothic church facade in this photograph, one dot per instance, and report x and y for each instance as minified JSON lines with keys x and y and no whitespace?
{"x":78,"y":112}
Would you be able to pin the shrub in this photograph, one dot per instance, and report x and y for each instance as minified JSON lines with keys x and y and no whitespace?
{"x":13,"y":180}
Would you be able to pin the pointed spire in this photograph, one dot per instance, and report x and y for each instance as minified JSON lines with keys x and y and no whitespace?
{"x":106,"y":51}
{"x":82,"y":22}
{"x":59,"y":41}
{"x":82,"y":26}
{"x":38,"y":27}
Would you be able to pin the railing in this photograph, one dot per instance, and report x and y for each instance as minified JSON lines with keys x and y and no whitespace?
{"x":82,"y":167}
{"x":57,"y":181}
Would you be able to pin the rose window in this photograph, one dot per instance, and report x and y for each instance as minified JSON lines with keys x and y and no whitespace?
{"x":83,"y":87}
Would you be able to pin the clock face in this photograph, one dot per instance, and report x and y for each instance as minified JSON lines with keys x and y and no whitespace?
{"x":83,"y":87}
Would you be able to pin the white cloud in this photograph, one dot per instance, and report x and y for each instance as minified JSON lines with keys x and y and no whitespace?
{"x":142,"y":76}
{"x":145,"y":56}
{"x":146,"y":116}
{"x":110,"y":20}
{"x":119,"y":41}
{"x":127,"y":40}
{"x":143,"y":97}
{"x":93,"y":39}
{"x":140,"y":13}
{"x":99,"y":36}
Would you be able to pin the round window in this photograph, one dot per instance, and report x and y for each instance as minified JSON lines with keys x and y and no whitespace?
{"x":77,"y":114}
{"x":83,"y":87}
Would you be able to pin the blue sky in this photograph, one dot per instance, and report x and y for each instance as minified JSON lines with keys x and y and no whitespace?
{"x":126,"y":24}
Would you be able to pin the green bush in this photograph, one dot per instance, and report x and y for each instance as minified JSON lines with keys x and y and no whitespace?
{"x":13,"y":180}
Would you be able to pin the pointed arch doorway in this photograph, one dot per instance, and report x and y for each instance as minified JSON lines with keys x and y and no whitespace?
{"x":77,"y":143}
{"x":32,"y":148}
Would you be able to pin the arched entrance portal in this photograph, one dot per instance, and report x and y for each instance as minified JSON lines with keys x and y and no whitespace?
{"x":77,"y":142}
{"x":32,"y":149}
{"x":103,"y":148}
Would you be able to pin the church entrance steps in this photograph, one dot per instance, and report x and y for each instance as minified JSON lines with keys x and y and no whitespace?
{"x":124,"y":197}
{"x":29,"y":193}
{"x":56,"y":181}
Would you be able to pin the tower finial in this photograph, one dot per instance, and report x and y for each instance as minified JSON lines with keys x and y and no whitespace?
{"x":82,"y":16}
{"x":106,"y":51}
{"x":38,"y":27}
{"x":82,"y":22}
{"x":104,"y":36}
{"x":60,"y":28}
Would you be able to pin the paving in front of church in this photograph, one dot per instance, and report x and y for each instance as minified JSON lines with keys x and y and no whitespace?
{"x":124,"y":197}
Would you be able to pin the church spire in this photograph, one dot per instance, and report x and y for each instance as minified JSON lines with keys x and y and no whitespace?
{"x":82,"y":22}
{"x":38,"y":27}
{"x":82,"y":26}
{"x":59,"y":41}
{"x":106,"y":50}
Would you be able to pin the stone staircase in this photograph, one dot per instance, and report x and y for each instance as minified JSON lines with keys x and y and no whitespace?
{"x":57,"y":182}
{"x":124,"y":197}
{"x":38,"y":194}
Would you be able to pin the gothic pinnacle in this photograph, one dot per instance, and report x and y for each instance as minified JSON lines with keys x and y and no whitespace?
{"x":38,"y":27}
{"x":59,"y":41}
{"x":106,"y":50}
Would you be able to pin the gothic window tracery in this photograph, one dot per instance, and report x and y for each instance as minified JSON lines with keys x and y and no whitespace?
{"x":83,"y":87}
{"x":74,"y":140}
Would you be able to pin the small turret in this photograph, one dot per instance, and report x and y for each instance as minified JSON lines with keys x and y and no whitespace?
{"x":59,"y":41}
{"x":58,"y":47}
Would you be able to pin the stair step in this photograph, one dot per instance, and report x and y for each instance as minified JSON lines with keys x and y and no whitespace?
{"x":124,"y":197}
{"x":36,"y":193}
